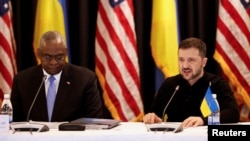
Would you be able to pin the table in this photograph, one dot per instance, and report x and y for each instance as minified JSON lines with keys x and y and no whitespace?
{"x":126,"y":131}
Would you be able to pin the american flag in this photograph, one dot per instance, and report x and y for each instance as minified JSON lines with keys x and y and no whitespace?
{"x":116,"y":59}
{"x":233,"y":49}
{"x":7,"y":48}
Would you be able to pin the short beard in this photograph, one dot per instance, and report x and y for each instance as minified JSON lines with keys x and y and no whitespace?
{"x":195,"y":76}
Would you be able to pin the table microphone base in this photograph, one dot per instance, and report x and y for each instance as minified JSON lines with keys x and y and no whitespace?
{"x":165,"y":127}
{"x":27,"y":126}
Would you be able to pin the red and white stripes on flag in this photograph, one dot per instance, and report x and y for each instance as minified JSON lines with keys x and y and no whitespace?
{"x":7,"y":48}
{"x":117,"y":61}
{"x":233,"y":49}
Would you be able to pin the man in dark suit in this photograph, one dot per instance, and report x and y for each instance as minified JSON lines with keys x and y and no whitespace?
{"x":76,"y":87}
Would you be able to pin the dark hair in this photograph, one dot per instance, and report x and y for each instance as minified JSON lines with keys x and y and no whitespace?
{"x":194,"y":43}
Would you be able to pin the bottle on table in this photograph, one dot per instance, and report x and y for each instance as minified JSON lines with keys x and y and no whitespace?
{"x":214,"y":118}
{"x":6,"y":107}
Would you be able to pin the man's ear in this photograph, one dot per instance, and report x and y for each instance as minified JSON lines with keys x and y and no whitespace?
{"x":39,"y":53}
{"x":66,"y":51}
{"x":204,"y":61}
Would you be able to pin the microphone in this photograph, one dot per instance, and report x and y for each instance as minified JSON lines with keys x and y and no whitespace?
{"x":31,"y":106}
{"x":164,"y":116}
{"x":27,"y":126}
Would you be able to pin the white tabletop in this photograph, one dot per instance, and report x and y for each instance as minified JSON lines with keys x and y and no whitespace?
{"x":124,"y":132}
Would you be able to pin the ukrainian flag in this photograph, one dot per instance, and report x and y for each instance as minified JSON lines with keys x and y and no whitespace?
{"x":165,"y":38}
{"x":208,"y":104}
{"x":50,"y":15}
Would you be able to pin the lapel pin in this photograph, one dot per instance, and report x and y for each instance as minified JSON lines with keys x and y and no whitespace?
{"x":68,"y":82}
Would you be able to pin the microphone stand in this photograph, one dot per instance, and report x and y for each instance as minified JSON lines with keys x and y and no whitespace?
{"x":164,"y":116}
{"x":27,"y":126}
{"x":166,"y":127}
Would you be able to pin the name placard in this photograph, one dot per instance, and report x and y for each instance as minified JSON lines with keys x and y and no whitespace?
{"x":4,"y":123}
{"x":229,"y":131}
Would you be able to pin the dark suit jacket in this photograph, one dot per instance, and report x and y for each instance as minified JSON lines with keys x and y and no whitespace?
{"x":77,"y":96}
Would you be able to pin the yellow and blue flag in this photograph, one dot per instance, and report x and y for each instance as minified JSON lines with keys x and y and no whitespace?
{"x":208,"y":104}
{"x":165,"y":39}
{"x":50,"y":15}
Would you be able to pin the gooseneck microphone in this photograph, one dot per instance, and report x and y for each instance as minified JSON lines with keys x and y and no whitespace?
{"x":164,"y":116}
{"x":32,"y":104}
{"x":28,"y":126}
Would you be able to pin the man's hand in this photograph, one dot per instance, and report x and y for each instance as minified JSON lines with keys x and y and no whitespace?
{"x":151,"y":118}
{"x":193,"y":122}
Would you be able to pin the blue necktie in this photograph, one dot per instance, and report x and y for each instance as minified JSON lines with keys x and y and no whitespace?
{"x":51,"y":95}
